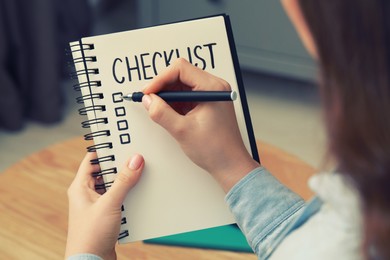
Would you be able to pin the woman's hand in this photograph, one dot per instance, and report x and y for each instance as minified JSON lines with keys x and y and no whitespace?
{"x":94,"y":219}
{"x":207,"y":132}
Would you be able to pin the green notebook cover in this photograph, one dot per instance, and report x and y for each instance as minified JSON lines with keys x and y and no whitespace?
{"x":227,"y":237}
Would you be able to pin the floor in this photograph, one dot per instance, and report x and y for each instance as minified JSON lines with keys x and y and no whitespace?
{"x":284,"y":112}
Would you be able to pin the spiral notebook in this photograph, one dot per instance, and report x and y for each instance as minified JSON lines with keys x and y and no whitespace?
{"x":174,"y":195}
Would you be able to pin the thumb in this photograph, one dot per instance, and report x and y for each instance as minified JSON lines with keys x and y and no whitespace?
{"x":162,"y":113}
{"x":126,"y":179}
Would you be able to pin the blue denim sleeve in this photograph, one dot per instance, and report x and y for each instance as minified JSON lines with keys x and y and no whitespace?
{"x":263,"y":207}
{"x":84,"y":257}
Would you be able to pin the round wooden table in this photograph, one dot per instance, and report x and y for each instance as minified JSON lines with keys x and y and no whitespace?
{"x":34,"y":205}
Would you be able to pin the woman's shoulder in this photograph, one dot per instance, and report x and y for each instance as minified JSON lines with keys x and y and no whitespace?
{"x":335,"y":230}
{"x":338,"y":196}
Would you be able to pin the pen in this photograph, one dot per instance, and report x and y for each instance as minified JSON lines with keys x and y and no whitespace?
{"x":186,"y":96}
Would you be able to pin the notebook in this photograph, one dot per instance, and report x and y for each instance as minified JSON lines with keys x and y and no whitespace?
{"x":174,"y":195}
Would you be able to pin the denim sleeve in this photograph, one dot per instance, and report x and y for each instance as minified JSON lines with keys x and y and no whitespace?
{"x":263,"y":207}
{"x":84,"y":257}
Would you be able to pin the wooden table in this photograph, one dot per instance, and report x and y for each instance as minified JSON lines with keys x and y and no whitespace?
{"x":33,"y":204}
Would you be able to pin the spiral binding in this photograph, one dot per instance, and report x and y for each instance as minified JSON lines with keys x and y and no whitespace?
{"x":89,"y":96}
{"x":95,"y":121}
{"x":93,"y":108}
{"x":86,"y":72}
{"x":84,"y":110}
{"x":78,"y":86}
{"x":91,"y":136}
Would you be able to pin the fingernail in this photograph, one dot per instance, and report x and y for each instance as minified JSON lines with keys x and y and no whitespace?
{"x":146,"y":101}
{"x":136,"y":162}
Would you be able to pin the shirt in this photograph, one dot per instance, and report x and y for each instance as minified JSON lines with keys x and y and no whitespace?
{"x":278,"y":224}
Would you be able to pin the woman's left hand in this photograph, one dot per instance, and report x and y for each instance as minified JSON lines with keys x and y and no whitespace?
{"x":94,"y":218}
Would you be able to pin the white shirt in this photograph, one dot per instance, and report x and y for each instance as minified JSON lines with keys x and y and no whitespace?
{"x":334,"y":232}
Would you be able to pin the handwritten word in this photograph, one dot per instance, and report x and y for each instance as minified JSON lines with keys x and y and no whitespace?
{"x":145,"y":66}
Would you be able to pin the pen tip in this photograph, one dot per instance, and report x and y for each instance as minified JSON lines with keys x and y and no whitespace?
{"x":127,"y":97}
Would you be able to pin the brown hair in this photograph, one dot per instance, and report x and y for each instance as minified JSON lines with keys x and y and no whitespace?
{"x":353,"y":47}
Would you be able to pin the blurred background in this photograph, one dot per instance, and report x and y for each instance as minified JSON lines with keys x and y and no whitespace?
{"x":37,"y":101}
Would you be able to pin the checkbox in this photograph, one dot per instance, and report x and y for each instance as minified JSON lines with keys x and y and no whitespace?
{"x":125,"y":138}
{"x":122,"y":125}
{"x":117,"y":97}
{"x":120,"y":111}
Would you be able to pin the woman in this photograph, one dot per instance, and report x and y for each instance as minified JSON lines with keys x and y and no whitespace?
{"x":350,"y":216}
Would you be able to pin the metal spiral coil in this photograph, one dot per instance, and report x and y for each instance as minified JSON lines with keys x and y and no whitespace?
{"x":92,"y":135}
{"x":89,"y":98}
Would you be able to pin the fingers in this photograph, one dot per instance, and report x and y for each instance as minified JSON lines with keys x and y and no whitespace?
{"x":84,"y":173}
{"x":162,"y":113}
{"x":125,"y":180}
{"x":183,"y":72}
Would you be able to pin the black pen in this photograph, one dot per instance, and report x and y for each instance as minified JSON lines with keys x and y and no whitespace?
{"x":187,"y":96}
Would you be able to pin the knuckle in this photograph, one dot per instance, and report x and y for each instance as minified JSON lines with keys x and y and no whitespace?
{"x":181,"y":131}
{"x":220,"y":84}
{"x":125,"y":178}
{"x":225,"y":85}
{"x":156,"y":113}
{"x":180,"y":62}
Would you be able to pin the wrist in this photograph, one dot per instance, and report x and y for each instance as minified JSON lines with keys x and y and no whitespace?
{"x":86,"y":249}
{"x":228,"y":176}
{"x":84,"y":257}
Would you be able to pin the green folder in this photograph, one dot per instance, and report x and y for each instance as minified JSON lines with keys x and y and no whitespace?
{"x":227,"y":237}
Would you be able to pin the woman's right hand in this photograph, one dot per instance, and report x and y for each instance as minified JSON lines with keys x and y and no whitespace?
{"x":207,"y":132}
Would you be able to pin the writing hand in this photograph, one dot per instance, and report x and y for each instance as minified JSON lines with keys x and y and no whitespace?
{"x":207,"y":132}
